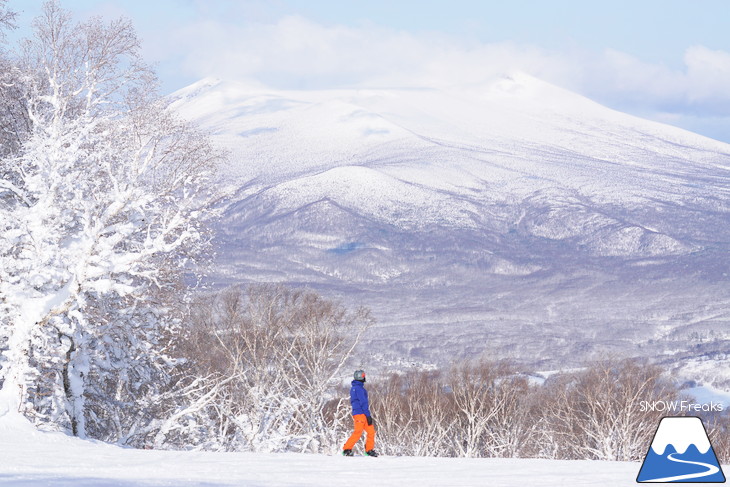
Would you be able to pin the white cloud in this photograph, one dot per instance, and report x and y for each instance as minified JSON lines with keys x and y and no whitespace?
{"x":619,"y":72}
{"x":294,"y":52}
{"x":297,"y":52}
{"x":708,"y":75}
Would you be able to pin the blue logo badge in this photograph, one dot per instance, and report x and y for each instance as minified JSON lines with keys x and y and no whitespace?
{"x":681,"y":452}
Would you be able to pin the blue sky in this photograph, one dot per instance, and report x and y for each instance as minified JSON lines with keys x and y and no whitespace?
{"x":667,"y":60}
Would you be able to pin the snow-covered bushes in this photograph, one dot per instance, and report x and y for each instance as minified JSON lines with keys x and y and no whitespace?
{"x":473,"y":410}
{"x":486,"y":409}
{"x":267,"y":361}
{"x":718,"y":428}
{"x":104,"y":199}
{"x":487,"y":398}
{"x":596,"y":413}
{"x":412,"y":414}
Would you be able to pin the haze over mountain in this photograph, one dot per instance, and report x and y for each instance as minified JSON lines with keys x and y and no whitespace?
{"x":507,"y":219}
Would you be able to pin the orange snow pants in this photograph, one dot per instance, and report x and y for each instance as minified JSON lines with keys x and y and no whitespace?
{"x":361,"y":424}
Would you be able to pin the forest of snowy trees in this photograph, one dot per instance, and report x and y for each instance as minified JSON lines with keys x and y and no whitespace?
{"x":106,"y":208}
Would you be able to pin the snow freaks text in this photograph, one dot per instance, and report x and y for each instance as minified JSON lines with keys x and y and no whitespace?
{"x":680,"y":407}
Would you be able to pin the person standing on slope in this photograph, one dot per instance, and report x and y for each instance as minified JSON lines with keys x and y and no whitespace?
{"x":361,"y":417}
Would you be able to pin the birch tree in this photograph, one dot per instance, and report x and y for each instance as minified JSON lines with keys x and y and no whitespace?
{"x":484,"y":398}
{"x":274,"y":357}
{"x":414,"y":415}
{"x":105,"y":204}
{"x":7,"y":18}
{"x":595,"y":414}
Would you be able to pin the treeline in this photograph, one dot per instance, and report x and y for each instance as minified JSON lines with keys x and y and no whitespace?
{"x":266,"y":368}
{"x":488,"y":409}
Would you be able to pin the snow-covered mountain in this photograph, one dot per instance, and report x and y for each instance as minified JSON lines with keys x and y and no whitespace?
{"x":512,"y":218}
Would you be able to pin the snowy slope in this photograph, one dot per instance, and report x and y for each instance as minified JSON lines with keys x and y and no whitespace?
{"x":32,"y":458}
{"x":512,"y":218}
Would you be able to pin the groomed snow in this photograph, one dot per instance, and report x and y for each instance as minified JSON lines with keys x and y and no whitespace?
{"x":32,"y":458}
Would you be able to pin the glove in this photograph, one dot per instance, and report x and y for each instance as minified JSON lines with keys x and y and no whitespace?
{"x":370,"y":421}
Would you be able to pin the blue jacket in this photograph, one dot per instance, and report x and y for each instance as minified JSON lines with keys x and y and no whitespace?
{"x":359,"y":399}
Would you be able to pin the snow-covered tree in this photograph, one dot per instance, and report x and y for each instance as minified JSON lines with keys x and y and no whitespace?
{"x":269,"y":360}
{"x":594,"y":413}
{"x":7,"y":17}
{"x":13,"y":120}
{"x":103,"y":210}
{"x":414,"y":414}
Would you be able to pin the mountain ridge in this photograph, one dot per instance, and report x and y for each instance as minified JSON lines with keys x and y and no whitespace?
{"x":514,"y":205}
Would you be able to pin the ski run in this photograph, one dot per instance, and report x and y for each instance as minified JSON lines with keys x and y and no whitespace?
{"x":30,"y":458}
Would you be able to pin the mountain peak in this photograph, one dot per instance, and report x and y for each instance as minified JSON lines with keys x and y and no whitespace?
{"x":547,"y":211}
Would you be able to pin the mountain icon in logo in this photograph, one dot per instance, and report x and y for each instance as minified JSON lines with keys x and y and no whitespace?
{"x":681,"y":452}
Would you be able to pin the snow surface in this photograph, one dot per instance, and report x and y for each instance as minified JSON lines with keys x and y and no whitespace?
{"x":30,"y":458}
